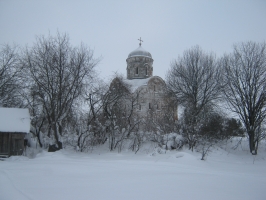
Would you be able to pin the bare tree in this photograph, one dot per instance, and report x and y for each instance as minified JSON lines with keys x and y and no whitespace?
{"x":59,"y":74}
{"x":10,"y":80}
{"x":195,"y":80}
{"x":91,"y":129}
{"x":120,"y":113}
{"x":245,"y":91}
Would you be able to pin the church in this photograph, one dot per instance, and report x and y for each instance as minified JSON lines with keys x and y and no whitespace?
{"x":154,"y":100}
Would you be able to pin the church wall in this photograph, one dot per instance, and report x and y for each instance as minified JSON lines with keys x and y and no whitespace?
{"x":153,"y":100}
{"x":151,"y":97}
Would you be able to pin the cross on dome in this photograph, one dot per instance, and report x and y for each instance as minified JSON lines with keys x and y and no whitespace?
{"x":140,"y":41}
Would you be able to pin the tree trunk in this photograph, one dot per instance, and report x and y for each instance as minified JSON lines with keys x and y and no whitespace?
{"x":56,"y":134}
{"x":39,"y":140}
{"x":252,"y":143}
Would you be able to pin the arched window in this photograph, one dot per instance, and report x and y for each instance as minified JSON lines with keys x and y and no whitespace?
{"x":137,"y":70}
{"x":149,"y":105}
{"x":146,"y":70}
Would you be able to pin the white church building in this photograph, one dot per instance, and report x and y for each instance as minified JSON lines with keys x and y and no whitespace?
{"x":153,"y":96}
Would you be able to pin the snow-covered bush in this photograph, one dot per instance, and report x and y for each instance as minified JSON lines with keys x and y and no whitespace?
{"x":173,"y":141}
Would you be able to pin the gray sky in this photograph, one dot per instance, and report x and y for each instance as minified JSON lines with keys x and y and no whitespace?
{"x":111,"y":27}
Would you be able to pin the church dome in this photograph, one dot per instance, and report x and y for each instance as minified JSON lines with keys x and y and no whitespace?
{"x":140,"y":52}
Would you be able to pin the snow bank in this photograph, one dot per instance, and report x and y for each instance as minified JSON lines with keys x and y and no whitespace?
{"x":102,"y":175}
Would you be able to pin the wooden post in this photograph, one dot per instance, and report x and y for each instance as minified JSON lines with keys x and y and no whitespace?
{"x":9,"y":144}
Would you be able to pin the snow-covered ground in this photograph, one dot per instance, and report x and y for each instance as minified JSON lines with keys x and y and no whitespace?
{"x":67,"y":175}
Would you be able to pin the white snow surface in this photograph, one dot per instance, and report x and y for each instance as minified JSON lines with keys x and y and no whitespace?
{"x":149,"y":174}
{"x":14,"y":120}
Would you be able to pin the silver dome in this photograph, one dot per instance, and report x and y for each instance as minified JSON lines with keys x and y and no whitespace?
{"x":140,"y":52}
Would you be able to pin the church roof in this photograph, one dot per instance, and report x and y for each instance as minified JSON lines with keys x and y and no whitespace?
{"x":140,"y":52}
{"x":136,"y":83}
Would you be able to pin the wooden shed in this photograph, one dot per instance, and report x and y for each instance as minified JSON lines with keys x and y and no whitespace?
{"x":14,"y":125}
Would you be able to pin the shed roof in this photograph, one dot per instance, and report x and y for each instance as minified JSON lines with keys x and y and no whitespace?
{"x":14,"y":120}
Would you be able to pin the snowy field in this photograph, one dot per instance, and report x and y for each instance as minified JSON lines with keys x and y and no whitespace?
{"x":67,"y":175}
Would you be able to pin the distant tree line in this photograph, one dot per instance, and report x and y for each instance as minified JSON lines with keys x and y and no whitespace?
{"x":69,"y":103}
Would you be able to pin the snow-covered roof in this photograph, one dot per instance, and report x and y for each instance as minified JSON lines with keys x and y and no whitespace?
{"x":136,"y":83}
{"x":14,"y":120}
{"x":139,"y":52}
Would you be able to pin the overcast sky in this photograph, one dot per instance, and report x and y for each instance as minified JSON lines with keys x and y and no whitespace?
{"x":111,"y":27}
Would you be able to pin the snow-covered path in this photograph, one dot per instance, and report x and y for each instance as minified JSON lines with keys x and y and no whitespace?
{"x":176,"y":175}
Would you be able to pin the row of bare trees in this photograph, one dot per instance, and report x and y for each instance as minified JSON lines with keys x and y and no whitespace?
{"x":202,"y":82}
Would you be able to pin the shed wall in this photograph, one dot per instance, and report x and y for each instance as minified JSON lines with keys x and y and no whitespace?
{"x":11,"y":144}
